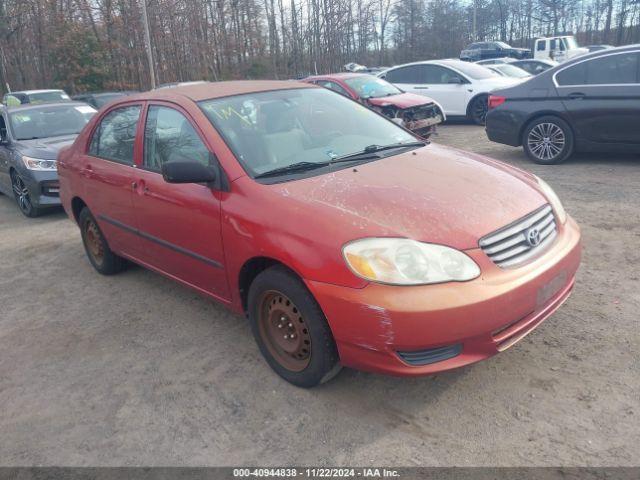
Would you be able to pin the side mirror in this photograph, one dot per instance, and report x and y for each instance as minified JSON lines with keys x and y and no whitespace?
{"x":455,"y":80}
{"x":187,"y":172}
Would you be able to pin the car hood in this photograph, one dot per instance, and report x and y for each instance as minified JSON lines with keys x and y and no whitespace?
{"x":402,"y":100}
{"x":45,"y":148}
{"x":434,"y":194}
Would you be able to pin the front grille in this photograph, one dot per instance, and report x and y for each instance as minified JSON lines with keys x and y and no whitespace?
{"x":421,"y":112}
{"x":431,"y":355}
{"x":522,"y":240}
{"x":51,"y":188}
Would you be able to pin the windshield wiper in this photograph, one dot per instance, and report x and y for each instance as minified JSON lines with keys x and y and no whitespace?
{"x":294,"y":167}
{"x":371,"y":150}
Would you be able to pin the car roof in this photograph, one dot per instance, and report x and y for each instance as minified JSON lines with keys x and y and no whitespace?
{"x":601,"y":53}
{"x":35,"y":106}
{"x":341,"y":75}
{"x":29,"y":92}
{"x":212,"y":90}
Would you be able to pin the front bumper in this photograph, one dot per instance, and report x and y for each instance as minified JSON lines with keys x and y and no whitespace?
{"x":44,"y":188}
{"x":484,"y":316}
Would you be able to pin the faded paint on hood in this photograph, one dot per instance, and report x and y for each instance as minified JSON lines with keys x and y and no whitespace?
{"x":434,"y":194}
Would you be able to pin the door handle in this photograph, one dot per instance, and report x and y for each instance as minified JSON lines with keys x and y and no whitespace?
{"x":576,"y":96}
{"x":421,"y":88}
{"x":87,"y":171}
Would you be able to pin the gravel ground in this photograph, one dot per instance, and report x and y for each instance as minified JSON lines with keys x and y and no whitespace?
{"x":137,"y":370}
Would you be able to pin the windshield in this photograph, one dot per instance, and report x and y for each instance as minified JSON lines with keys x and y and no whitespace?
{"x":50,"y":121}
{"x":570,"y":43}
{"x":512,"y":71}
{"x":372,"y":87}
{"x":472,"y":70}
{"x":276,"y":129}
{"x":49,"y":97}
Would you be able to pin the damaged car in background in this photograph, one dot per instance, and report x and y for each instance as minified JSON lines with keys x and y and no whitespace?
{"x":414,"y":112}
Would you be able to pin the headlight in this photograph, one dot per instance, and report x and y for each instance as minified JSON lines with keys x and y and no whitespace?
{"x":39,"y":164}
{"x":555,"y":202}
{"x":400,"y":261}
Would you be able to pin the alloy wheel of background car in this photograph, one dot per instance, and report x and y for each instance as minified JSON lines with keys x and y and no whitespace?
{"x":284,"y":331}
{"x":290,"y":328}
{"x":478,"y":109}
{"x":22,"y":196}
{"x":548,"y":140}
{"x":100,"y":255}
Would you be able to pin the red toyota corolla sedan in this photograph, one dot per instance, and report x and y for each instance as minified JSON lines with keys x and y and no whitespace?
{"x":346,"y":240}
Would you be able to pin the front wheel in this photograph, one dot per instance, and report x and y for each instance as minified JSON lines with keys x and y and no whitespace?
{"x":291,"y":330}
{"x":23,"y":197}
{"x":478,"y":109}
{"x":548,"y":140}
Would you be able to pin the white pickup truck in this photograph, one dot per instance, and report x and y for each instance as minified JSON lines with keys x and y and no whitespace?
{"x":559,"y":49}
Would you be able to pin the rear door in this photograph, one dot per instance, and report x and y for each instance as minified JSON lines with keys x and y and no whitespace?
{"x":108,"y":171}
{"x":179,"y":224}
{"x":602,"y":97}
{"x":410,"y":79}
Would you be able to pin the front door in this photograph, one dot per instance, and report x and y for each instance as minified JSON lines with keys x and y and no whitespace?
{"x":448,"y":88}
{"x":602,"y":97}
{"x":179,"y":224}
{"x":108,"y":168}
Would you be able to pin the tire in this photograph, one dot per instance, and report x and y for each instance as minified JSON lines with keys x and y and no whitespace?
{"x":95,"y":245}
{"x":548,"y":140}
{"x":280,"y":304}
{"x":478,"y":109}
{"x":23,"y":197}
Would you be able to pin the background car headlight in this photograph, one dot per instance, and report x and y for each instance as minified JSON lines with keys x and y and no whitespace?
{"x":555,"y":202}
{"x":39,"y":164}
{"x":400,"y":261}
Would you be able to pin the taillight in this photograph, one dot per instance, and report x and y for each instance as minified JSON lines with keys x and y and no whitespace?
{"x":496,"y":101}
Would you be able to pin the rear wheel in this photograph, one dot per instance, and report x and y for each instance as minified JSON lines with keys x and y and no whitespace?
{"x":478,"y":109}
{"x":291,"y":330}
{"x":100,"y":255}
{"x":23,"y":197}
{"x":548,"y":140}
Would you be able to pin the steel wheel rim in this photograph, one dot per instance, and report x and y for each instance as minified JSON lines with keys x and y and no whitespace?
{"x":93,"y":241}
{"x":22,"y":194}
{"x":546,"y":141}
{"x":284,"y":331}
{"x":480,"y":109}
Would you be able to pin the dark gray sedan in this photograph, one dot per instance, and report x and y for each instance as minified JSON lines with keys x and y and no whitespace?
{"x":30,"y":138}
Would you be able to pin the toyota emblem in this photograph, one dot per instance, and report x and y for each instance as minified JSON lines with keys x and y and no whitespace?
{"x":533,"y":236}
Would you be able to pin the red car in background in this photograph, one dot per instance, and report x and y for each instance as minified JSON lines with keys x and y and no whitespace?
{"x":417,"y":113}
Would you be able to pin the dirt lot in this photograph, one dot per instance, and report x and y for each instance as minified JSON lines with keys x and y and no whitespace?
{"x":136,"y":370}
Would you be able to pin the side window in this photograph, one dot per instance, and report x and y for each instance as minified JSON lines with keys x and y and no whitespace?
{"x":334,"y":86}
{"x":541,"y":45}
{"x":440,"y":75}
{"x":576,"y":75}
{"x":611,"y":69}
{"x":115,"y":136}
{"x":3,"y":129}
{"x":170,"y":137}
{"x":410,"y":74}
